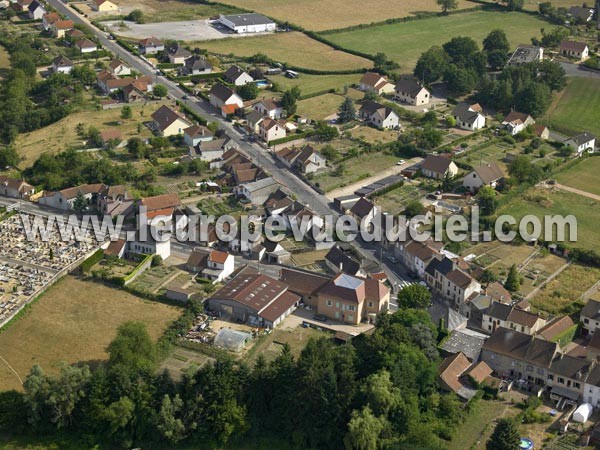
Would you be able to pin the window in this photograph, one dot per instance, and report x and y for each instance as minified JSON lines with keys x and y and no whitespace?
{"x":329,"y":303}
{"x":561,"y":380}
{"x":370,"y":304}
{"x":576,"y":385}
{"x":550,"y":377}
{"x":350,"y":317}
{"x":351,"y":308}
{"x":586,"y":320}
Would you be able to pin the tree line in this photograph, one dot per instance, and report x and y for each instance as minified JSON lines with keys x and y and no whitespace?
{"x":379,"y":391}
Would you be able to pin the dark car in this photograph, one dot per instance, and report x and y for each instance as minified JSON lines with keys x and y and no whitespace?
{"x":321,"y":317}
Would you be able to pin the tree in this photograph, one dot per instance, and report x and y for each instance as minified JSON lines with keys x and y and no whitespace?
{"x":9,"y":157}
{"x":169,"y":425}
{"x":461,"y":50}
{"x":132,"y":351}
{"x":429,"y":118}
{"x":496,"y":40}
{"x":94,"y":137}
{"x":364,"y":430}
{"x":326,"y":132}
{"x":81,"y":203}
{"x":414,"y":296}
{"x":534,"y":99}
{"x":136,"y":147}
{"x":545,"y":8}
{"x":249,"y":91}
{"x":459,"y":80}
{"x":497,"y":59}
{"x":126,"y":112}
{"x":447,"y":5}
{"x":488,"y":276}
{"x":552,"y":74}
{"x":450,"y":121}
{"x":160,"y":91}
{"x":347,"y":112}
{"x":137,"y":16}
{"x":513,"y":279}
{"x":524,"y":171}
{"x":504,"y":437}
{"x":515,"y":5}
{"x":431,"y":65}
{"x":414,"y":208}
{"x":84,"y":73}
{"x":486,"y":197}
{"x":565,"y":151}
{"x":289,"y":99}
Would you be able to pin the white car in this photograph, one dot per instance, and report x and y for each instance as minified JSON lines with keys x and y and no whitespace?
{"x":399,"y":163}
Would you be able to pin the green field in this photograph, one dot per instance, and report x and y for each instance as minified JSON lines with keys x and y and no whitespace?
{"x":320,"y":107}
{"x":4,"y":62}
{"x":310,"y":84}
{"x":404,"y":42}
{"x":394,"y":202}
{"x":293,"y":48}
{"x":540,"y":202}
{"x":582,"y":176}
{"x":576,"y":108}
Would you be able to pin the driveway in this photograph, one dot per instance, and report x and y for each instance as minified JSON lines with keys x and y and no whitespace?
{"x":186,"y":30}
{"x":577,"y":70}
{"x":562,"y":187}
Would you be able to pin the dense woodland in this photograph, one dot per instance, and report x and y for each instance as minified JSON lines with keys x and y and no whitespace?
{"x":380,"y":391}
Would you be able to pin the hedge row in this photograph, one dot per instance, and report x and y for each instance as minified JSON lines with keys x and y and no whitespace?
{"x":135,"y":271}
{"x":168,"y":65}
{"x":92,"y":260}
{"x":189,"y":112}
{"x":316,"y":94}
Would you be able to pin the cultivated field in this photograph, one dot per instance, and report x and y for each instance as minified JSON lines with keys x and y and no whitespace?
{"x":318,"y":15}
{"x":394,"y":202}
{"x":62,"y":135}
{"x":310,"y":84}
{"x":566,"y":288}
{"x":74,"y":321}
{"x":582,"y":176}
{"x":575,"y":109}
{"x":540,"y":202}
{"x":4,"y":61}
{"x":320,"y":107}
{"x":293,"y":48}
{"x":418,"y":35}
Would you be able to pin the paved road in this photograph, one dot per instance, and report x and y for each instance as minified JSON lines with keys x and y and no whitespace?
{"x":577,"y":70}
{"x":303,"y":192}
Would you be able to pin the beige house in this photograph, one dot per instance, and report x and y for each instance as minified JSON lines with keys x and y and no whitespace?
{"x":168,"y":122}
{"x":373,"y":82}
{"x":378,"y":115}
{"x":104,"y":6}
{"x":351,"y":300}
{"x":60,"y":27}
{"x":438,"y":167}
{"x":485,"y":175}
{"x":270,"y":130}
{"x":118,"y":68}
{"x":410,"y":92}
{"x":510,"y":316}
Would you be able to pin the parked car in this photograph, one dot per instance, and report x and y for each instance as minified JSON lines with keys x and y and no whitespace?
{"x":392,"y":259}
{"x":321,"y":317}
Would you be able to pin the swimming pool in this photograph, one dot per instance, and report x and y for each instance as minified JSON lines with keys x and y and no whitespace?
{"x":261,"y":83}
{"x":526,"y":444}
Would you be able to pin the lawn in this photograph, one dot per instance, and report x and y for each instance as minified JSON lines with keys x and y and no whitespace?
{"x":540,"y":202}
{"x":174,"y":10}
{"x":374,"y":135}
{"x":319,"y":15}
{"x":356,"y":169}
{"x":74,"y":321}
{"x":404,"y":42}
{"x":583,"y":175}
{"x":320,"y":107}
{"x":566,"y":288}
{"x":575,"y":109}
{"x":310,"y":84}
{"x":293,"y":48}
{"x":62,"y":135}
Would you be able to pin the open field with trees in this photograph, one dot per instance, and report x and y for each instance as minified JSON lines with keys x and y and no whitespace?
{"x":74,"y":321}
{"x":319,"y":15}
{"x":418,"y":35}
{"x":63,"y":135}
{"x":310,"y":84}
{"x":293,"y":48}
{"x":582,"y":176}
{"x":541,"y":202}
{"x":575,"y":109}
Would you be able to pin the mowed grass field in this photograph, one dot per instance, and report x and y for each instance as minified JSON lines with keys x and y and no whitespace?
{"x":319,"y":15}
{"x":405,"y":42}
{"x":582,"y":176}
{"x":62,"y":135}
{"x":321,"y":106}
{"x":74,"y":321}
{"x":541,"y":202}
{"x":294,"y":48}
{"x":576,"y":109}
{"x":309,"y":84}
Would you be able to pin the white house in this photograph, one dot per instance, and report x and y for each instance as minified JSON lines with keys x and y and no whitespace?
{"x":221,"y":95}
{"x":269,"y":107}
{"x":373,"y":82}
{"x":86,"y":46}
{"x":62,"y":64}
{"x":11,"y":187}
{"x":485,"y":175}
{"x":270,"y":130}
{"x":219,"y":265}
{"x":36,"y":11}
{"x":178,"y":54}
{"x":469,"y":117}
{"x":515,"y":122}
{"x":236,"y":76}
{"x":591,"y":387}
{"x":247,"y":23}
{"x":438,"y":167}
{"x":378,"y":115}
{"x":118,"y":68}
{"x":410,"y":92}
{"x":195,"y":134}
{"x":168,"y":122}
{"x":590,"y":317}
{"x":582,"y":142}
{"x":574,"y":49}
{"x":151,"y":45}
{"x":148,"y":245}
{"x":257,"y":192}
